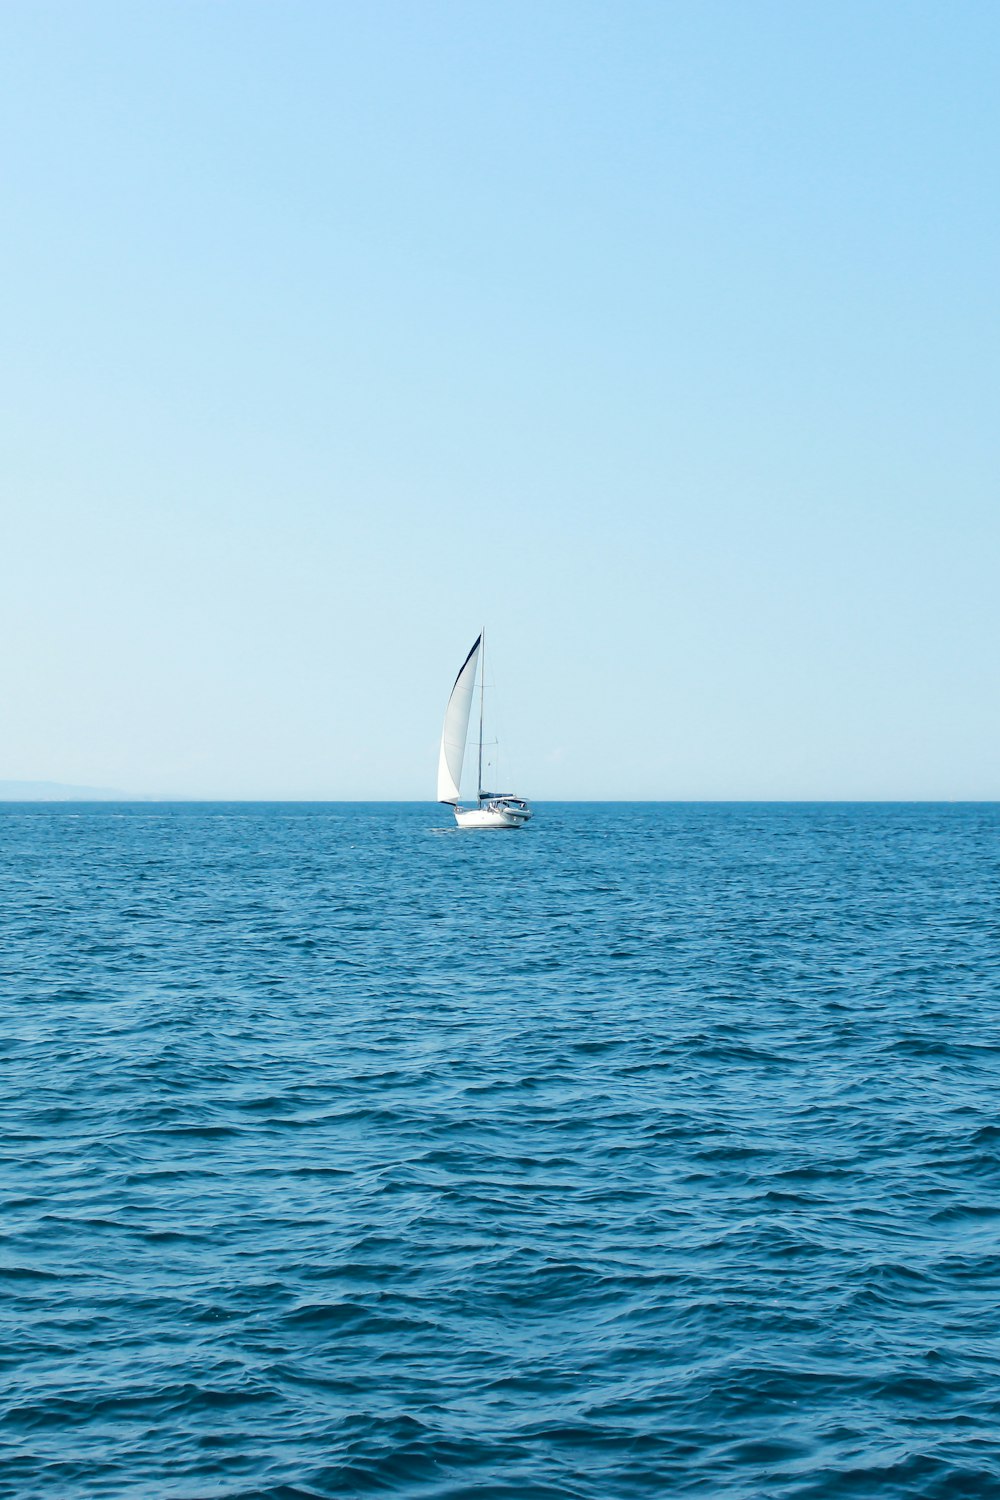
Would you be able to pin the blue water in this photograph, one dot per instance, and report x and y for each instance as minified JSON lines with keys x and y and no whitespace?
{"x":653,"y":1150}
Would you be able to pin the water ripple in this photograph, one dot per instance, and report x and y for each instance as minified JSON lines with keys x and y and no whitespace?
{"x":651,"y":1151}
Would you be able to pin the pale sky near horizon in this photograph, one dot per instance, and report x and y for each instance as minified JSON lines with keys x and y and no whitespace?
{"x":660,"y":337}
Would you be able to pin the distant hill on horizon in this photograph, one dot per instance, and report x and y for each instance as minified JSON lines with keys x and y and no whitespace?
{"x":57,"y":791}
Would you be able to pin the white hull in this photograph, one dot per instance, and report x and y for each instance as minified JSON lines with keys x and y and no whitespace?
{"x":496,"y":815}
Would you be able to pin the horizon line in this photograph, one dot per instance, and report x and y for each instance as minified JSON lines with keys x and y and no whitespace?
{"x":145,"y":799}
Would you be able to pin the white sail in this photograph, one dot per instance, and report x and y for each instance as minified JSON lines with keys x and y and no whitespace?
{"x":456,"y":727}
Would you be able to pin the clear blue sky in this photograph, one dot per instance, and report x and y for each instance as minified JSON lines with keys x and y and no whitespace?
{"x":661,"y":337}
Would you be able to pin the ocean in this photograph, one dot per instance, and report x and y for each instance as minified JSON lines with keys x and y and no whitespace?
{"x":652,"y":1150}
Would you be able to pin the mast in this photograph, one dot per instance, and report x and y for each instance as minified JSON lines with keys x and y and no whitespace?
{"x":482,"y":691}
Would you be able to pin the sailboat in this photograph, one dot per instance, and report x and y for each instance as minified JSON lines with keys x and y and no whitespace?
{"x":493,"y":809}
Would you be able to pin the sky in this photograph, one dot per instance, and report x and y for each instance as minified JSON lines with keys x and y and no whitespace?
{"x":660,"y":338}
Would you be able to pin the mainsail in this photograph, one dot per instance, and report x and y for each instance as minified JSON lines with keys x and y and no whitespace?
{"x":456,"y":727}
